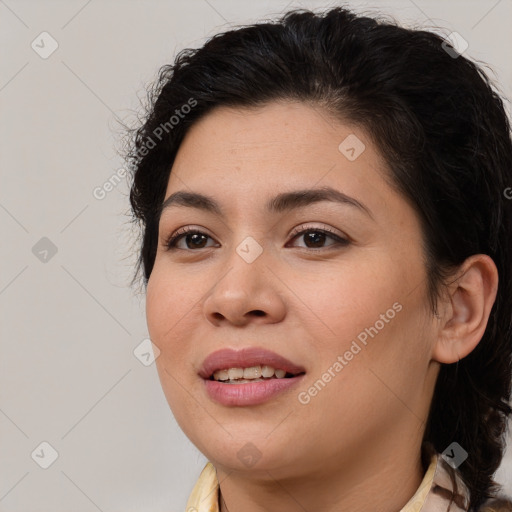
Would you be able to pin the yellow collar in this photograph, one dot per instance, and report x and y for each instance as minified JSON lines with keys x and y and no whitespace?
{"x":433,"y":494}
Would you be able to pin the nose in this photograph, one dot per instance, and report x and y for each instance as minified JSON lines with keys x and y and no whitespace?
{"x":246,"y":291}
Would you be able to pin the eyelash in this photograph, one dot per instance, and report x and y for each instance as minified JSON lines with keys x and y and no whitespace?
{"x":170,"y":243}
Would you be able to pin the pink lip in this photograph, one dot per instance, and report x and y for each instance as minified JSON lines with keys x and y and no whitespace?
{"x":245,"y":358}
{"x":249,"y":393}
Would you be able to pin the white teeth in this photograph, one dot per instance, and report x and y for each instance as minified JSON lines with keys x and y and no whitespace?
{"x":235,"y":373}
{"x":256,"y":373}
{"x":267,"y":371}
{"x":243,"y":381}
{"x":221,"y":375}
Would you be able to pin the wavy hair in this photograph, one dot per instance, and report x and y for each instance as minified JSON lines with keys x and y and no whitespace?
{"x":444,"y":134}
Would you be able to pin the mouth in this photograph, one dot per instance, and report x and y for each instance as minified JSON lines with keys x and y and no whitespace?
{"x":259,"y":373}
{"x":249,"y":376}
{"x":252,"y":363}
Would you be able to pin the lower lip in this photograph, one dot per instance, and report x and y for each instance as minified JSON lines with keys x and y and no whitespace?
{"x":250,"y":393}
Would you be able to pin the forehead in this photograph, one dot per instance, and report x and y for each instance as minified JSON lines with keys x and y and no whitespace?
{"x":279,"y":138}
{"x":245,"y":156}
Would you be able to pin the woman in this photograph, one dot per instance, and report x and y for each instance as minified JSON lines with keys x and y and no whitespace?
{"x":325,"y":221}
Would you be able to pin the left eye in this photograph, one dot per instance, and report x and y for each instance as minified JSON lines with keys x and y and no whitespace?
{"x":317,"y":236}
{"x":314,"y":236}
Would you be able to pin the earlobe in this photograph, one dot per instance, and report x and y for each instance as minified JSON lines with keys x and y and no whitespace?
{"x":468,"y":303}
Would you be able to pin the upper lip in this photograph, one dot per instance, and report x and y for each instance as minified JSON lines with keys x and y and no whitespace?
{"x":245,"y":358}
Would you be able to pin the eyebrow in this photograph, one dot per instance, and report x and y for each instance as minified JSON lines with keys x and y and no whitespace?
{"x":285,"y":201}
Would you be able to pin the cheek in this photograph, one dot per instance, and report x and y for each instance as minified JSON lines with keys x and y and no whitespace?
{"x":156,"y":305}
{"x":370,"y":314}
{"x":347,"y":298}
{"x":166,"y":303}
{"x":172,"y":312}
{"x":167,"y":321}
{"x":163,"y":312}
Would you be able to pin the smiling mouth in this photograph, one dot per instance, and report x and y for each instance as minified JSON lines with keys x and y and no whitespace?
{"x":253,"y":377}
{"x":259,"y":373}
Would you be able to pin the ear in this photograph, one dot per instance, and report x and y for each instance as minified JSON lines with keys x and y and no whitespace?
{"x":465,"y":312}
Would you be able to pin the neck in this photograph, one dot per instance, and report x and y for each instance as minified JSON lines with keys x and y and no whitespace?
{"x":385,"y":482}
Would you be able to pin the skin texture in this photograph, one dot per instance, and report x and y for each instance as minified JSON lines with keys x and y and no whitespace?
{"x":356,"y":444}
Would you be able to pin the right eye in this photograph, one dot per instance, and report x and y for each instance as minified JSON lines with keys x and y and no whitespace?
{"x":193,"y":236}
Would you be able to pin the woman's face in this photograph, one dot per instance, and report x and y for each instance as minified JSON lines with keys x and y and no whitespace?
{"x":352,"y":315}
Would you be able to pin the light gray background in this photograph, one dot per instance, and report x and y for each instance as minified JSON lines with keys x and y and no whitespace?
{"x":69,"y":325}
